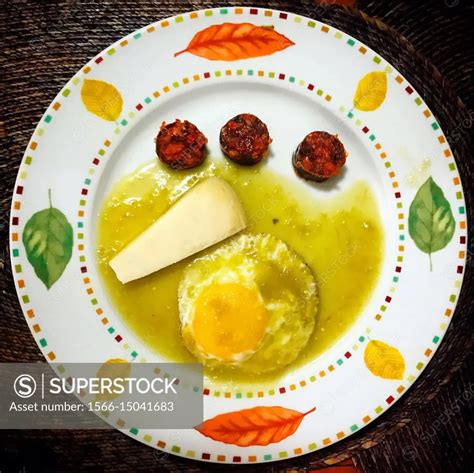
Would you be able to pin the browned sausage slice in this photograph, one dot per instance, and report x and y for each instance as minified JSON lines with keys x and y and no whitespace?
{"x":319,"y":156}
{"x":245,"y":139}
{"x":181,"y":145}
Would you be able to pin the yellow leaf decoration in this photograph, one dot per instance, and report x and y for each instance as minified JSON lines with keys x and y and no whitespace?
{"x":371,"y":92}
{"x":384,"y":360}
{"x":102,"y":99}
{"x":112,"y":368}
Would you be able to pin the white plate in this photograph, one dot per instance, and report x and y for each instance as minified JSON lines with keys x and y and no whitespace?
{"x":307,"y":74}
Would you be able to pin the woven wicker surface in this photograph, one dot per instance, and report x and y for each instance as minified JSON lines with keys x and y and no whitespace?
{"x":47,"y":42}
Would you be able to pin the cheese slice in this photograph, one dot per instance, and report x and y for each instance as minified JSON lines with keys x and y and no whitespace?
{"x":205,"y":215}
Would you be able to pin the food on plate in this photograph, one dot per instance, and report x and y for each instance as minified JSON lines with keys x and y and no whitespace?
{"x":319,"y":156}
{"x":251,"y":303}
{"x":339,"y":236}
{"x":245,"y":139}
{"x":205,"y":215}
{"x":181,"y":145}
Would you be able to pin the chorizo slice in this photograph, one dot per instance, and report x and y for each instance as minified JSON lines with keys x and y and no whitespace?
{"x":245,"y":139}
{"x":181,"y":145}
{"x":319,"y":156}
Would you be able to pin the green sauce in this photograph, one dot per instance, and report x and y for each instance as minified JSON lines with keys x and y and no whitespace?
{"x":340,"y":238}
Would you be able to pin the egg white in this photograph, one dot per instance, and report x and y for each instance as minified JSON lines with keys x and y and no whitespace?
{"x":284,"y":284}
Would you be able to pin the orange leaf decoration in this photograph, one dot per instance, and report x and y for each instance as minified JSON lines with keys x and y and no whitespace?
{"x":256,"y":426}
{"x":234,"y":41}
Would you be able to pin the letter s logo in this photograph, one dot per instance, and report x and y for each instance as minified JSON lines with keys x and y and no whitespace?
{"x":24,"y":386}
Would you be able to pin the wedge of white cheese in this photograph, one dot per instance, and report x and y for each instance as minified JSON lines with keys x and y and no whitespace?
{"x":205,"y":215}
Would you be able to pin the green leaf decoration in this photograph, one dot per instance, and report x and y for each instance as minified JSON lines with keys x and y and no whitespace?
{"x":430,"y":222}
{"x":48,"y":240}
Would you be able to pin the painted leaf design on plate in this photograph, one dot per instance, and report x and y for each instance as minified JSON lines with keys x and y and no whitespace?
{"x":371,"y":91}
{"x":256,"y":426}
{"x":111,"y":369}
{"x":102,"y":99}
{"x":384,"y":360}
{"x":430,"y":221}
{"x":48,"y":239}
{"x":234,"y":41}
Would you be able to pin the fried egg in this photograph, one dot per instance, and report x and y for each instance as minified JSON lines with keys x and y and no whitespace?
{"x":251,"y":303}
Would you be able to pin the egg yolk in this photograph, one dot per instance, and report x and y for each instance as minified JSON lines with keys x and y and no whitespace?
{"x":229,"y":320}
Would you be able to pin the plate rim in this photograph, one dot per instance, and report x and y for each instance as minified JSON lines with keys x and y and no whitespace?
{"x":94,"y":61}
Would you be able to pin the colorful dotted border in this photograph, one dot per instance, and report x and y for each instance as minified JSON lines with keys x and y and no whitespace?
{"x":55,"y":106}
{"x":311,"y":88}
